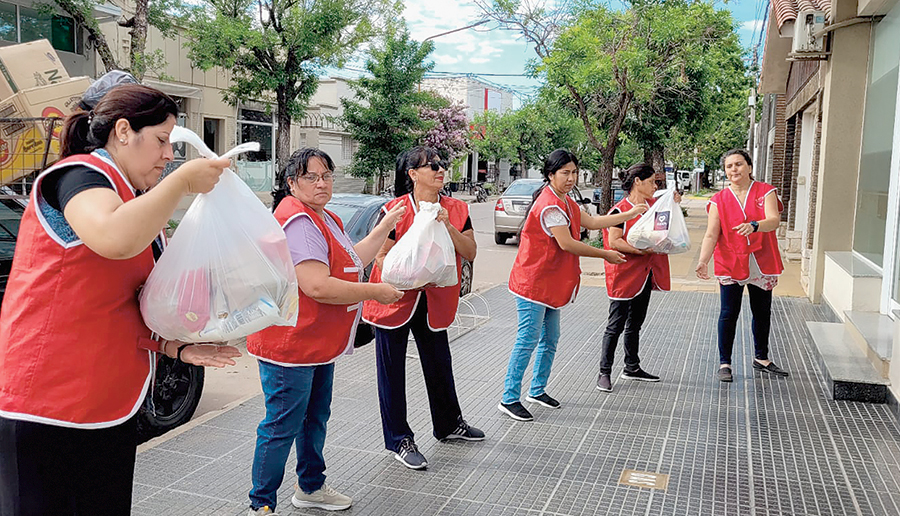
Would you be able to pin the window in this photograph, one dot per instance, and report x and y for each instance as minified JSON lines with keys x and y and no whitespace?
{"x":212,"y":129}
{"x":257,"y":168}
{"x":346,"y":148}
{"x":878,"y":135}
{"x":20,"y":24}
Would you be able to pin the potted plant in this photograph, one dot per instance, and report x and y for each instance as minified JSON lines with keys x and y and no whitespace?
{"x":455,"y":179}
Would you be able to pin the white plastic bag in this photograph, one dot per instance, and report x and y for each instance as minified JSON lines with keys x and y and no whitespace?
{"x":662,"y":227}
{"x":424,"y":254}
{"x":227,"y":271}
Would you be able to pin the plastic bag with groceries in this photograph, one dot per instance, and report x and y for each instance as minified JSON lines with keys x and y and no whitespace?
{"x":662,"y":227}
{"x":424,"y":255}
{"x":227,"y":271}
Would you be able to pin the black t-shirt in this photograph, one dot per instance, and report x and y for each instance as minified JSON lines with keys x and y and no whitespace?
{"x":61,"y":186}
{"x":615,"y":211}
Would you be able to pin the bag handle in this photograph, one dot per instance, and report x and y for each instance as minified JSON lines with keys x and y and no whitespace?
{"x":183,"y":134}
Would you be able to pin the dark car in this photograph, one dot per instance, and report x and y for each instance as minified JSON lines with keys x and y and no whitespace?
{"x":360,"y":213}
{"x":11,"y":209}
{"x":618,"y":193}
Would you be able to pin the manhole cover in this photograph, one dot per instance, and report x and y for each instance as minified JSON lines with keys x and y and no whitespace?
{"x":647,"y":479}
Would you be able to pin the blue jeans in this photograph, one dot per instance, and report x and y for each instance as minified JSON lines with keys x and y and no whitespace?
{"x":538,"y":327}
{"x":298,"y":405}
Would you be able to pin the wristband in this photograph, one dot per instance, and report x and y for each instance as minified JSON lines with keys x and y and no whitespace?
{"x":181,"y":347}
{"x":755,"y":225}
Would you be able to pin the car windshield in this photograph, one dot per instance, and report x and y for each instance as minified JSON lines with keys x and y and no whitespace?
{"x":523,"y":188}
{"x":344,"y":211}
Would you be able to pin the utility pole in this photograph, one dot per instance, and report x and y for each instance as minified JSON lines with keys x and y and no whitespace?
{"x":752,"y":102}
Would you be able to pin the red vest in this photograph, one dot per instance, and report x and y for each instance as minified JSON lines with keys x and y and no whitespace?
{"x":322,"y":331}
{"x":442,"y":301}
{"x":543,"y":273}
{"x":732,"y":254}
{"x":626,"y":280}
{"x":71,"y":323}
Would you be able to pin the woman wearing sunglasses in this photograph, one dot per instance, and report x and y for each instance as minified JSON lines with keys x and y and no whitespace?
{"x":426,"y":312}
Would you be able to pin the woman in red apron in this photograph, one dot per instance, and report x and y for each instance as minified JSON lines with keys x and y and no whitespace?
{"x":741,"y":224}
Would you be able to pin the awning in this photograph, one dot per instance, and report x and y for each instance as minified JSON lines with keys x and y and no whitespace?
{"x":106,"y":12}
{"x":174,"y":89}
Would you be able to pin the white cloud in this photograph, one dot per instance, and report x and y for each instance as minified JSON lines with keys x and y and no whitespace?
{"x":752,"y":25}
{"x":445,"y":59}
{"x":479,"y":60}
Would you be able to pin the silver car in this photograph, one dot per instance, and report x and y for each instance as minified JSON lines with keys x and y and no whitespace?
{"x":511,"y":207}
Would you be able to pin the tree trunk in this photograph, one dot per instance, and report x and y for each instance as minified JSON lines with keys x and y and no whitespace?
{"x":658,"y":159}
{"x":606,"y":171}
{"x":283,"y":137}
{"x":139,"y":39}
{"x":648,"y":157}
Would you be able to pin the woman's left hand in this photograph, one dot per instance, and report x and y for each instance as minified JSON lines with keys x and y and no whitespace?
{"x":743,"y":229}
{"x":209,"y":355}
{"x":677,"y":196}
{"x":443,"y":216}
{"x":393,"y":216}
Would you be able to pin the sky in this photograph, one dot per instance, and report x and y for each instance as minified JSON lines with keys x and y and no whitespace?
{"x":496,"y":53}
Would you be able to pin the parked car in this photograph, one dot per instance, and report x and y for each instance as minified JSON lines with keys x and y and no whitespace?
{"x":512,"y":206}
{"x":618,"y":194}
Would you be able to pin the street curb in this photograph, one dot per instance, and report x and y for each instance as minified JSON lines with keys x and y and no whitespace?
{"x":171,"y":434}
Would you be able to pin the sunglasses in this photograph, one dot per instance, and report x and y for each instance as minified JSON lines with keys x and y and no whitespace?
{"x":436,"y":165}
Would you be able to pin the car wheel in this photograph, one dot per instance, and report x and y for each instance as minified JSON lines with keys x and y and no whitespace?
{"x":500,"y":238}
{"x":172,"y":400}
{"x":465,"y":278}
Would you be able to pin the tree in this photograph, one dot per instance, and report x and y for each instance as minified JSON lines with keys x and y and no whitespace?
{"x":385,"y":118}
{"x":449,"y":127}
{"x":277,"y":48}
{"x":492,"y":136}
{"x":160,"y":14}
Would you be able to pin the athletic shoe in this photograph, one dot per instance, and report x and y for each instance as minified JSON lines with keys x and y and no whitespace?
{"x":516,"y":411}
{"x":639,"y":375}
{"x":465,"y":432}
{"x":724,"y":375}
{"x":604,"y":383}
{"x":408,"y":454}
{"x":325,"y":498}
{"x":544,"y":400}
{"x":262,"y":511}
{"x":771,"y":369}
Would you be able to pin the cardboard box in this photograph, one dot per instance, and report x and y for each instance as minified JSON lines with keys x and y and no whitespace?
{"x":23,"y":143}
{"x":29,"y":65}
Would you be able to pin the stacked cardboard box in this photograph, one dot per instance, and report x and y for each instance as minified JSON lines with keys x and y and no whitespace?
{"x":33,"y":84}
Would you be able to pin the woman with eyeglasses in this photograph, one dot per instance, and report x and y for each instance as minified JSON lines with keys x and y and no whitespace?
{"x":296,"y":364}
{"x":426,"y":312}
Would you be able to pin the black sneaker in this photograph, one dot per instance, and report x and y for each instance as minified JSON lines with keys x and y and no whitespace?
{"x":725,"y":375}
{"x":408,"y":454}
{"x":771,"y":369}
{"x":604,"y":383}
{"x":639,"y":375}
{"x":516,"y":411}
{"x":465,"y":432}
{"x":544,"y":400}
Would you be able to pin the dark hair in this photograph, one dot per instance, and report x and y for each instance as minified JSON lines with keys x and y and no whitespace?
{"x":141,"y":106}
{"x":416,"y":157}
{"x":640,"y":171}
{"x":741,"y":152}
{"x":555,"y":161}
{"x":297,"y":165}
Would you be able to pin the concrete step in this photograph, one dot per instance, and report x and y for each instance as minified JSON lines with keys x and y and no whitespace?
{"x":848,"y":373}
{"x":874,"y":333}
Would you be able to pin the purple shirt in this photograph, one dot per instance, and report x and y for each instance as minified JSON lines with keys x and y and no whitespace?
{"x":306,"y":242}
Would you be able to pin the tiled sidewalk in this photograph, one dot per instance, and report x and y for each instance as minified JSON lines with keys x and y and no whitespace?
{"x":762,"y":445}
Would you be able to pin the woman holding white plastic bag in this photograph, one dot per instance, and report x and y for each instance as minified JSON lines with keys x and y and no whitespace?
{"x":741,"y":225}
{"x":629,"y":284}
{"x":546,"y":276}
{"x":296,"y":364}
{"x":71,"y":323}
{"x":427,"y":312}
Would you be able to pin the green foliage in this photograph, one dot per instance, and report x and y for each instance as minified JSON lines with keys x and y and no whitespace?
{"x":385,"y":118}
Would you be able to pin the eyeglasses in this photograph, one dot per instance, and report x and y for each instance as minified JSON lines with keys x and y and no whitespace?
{"x":312,"y":179}
{"x":436,"y":165}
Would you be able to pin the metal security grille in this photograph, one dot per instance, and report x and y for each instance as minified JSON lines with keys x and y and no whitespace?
{"x":27,"y":146}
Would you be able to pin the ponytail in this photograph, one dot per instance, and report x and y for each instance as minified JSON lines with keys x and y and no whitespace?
{"x":75,"y":135}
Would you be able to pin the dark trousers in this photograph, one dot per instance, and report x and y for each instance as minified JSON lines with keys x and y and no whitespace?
{"x":761,"y":308}
{"x":628,"y":317}
{"x":47,"y":469}
{"x":437,"y":368}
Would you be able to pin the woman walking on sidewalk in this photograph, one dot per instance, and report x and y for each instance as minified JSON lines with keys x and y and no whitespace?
{"x":296,"y":364}
{"x":75,"y":355}
{"x":629,"y":284}
{"x":427,"y":312}
{"x":741,"y":224}
{"x":546,"y":275}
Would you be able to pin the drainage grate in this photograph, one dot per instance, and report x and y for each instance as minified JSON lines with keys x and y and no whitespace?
{"x":647,"y":479}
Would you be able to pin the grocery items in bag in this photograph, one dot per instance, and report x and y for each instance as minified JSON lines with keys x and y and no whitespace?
{"x":227,"y":272}
{"x":424,"y":255}
{"x":661,"y":228}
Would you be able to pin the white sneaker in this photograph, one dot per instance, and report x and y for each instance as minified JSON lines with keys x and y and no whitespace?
{"x":325,"y":498}
{"x":262,"y":511}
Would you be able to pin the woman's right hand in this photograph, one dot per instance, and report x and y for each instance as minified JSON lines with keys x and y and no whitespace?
{"x":200,"y":175}
{"x":386,"y":294}
{"x":636,"y":211}
{"x":702,"y":271}
{"x":613,"y":256}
